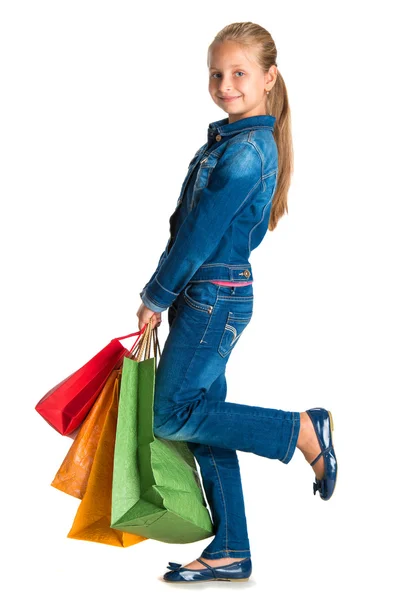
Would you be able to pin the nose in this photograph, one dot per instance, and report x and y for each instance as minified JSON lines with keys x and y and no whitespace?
{"x":225,"y":85}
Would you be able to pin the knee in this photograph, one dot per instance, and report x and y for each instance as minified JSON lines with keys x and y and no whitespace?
{"x":166,"y":428}
{"x":169,"y":428}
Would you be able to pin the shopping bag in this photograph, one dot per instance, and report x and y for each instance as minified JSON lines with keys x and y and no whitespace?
{"x":72,"y":476}
{"x":156,"y":488}
{"x":92,"y":520}
{"x":66,"y":405}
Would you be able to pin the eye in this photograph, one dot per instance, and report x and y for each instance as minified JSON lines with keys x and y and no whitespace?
{"x":213,"y":75}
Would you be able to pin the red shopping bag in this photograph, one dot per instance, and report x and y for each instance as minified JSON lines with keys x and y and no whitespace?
{"x":66,"y":405}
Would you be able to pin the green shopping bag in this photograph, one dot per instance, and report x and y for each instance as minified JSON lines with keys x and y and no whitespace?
{"x":156,"y":490}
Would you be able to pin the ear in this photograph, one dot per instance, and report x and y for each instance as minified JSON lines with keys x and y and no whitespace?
{"x":271,"y":76}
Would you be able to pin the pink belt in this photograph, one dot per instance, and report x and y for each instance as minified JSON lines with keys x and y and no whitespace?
{"x":230,"y":282}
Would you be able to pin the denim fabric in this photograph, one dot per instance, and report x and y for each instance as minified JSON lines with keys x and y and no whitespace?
{"x":206,"y":322}
{"x":223,"y":210}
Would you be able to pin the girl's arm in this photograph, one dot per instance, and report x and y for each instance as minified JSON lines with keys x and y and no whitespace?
{"x":234,"y":178}
{"x":143,"y":294}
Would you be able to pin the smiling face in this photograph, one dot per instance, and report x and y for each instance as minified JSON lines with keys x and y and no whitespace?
{"x":237,"y":84}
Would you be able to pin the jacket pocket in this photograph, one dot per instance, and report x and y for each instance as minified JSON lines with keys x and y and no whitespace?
{"x":205,"y":169}
{"x":191,"y":166}
{"x":236,"y":323}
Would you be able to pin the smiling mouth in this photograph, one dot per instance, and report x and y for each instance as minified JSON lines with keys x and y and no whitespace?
{"x":227,"y":99}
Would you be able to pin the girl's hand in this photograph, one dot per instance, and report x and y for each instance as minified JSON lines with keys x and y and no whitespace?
{"x":144,"y":314}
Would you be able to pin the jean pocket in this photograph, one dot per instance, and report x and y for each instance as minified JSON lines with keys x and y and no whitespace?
{"x":236,"y":323}
{"x":200,"y":296}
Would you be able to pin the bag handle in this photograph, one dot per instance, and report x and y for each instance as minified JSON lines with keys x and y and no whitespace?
{"x":137,"y":333}
{"x":144,"y":346}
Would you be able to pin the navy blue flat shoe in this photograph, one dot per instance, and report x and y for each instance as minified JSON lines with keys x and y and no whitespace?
{"x":237,"y":571}
{"x":324,"y":425}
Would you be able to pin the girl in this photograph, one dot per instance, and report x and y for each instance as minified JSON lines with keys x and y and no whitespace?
{"x":235,"y":189}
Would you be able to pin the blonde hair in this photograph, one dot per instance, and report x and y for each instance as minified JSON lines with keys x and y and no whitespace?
{"x":254,"y":36}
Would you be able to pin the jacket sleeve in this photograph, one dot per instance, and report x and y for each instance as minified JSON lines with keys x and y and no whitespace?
{"x":143,"y":294}
{"x":232,"y":181}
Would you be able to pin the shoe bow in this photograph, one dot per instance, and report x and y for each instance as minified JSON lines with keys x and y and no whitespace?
{"x":174,"y":566}
{"x":319,"y":485}
{"x":316,"y":486}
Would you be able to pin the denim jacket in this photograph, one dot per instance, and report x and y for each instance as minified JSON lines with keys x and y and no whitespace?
{"x":223,"y":210}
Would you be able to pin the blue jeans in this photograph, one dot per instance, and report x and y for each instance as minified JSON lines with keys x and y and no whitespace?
{"x":205,"y":324}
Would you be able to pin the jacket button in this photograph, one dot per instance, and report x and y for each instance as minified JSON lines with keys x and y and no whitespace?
{"x":246,"y":273}
{"x":218,"y":138}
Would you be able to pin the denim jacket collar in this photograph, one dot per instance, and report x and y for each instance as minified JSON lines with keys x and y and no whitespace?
{"x":223,"y":127}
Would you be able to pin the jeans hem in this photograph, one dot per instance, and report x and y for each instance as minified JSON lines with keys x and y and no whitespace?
{"x":293,"y":439}
{"x":226,"y":554}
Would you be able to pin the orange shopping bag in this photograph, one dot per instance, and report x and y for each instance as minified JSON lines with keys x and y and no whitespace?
{"x":72,"y":476}
{"x":92,"y":521}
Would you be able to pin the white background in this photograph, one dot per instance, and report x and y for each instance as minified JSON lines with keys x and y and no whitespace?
{"x":103,"y":104}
